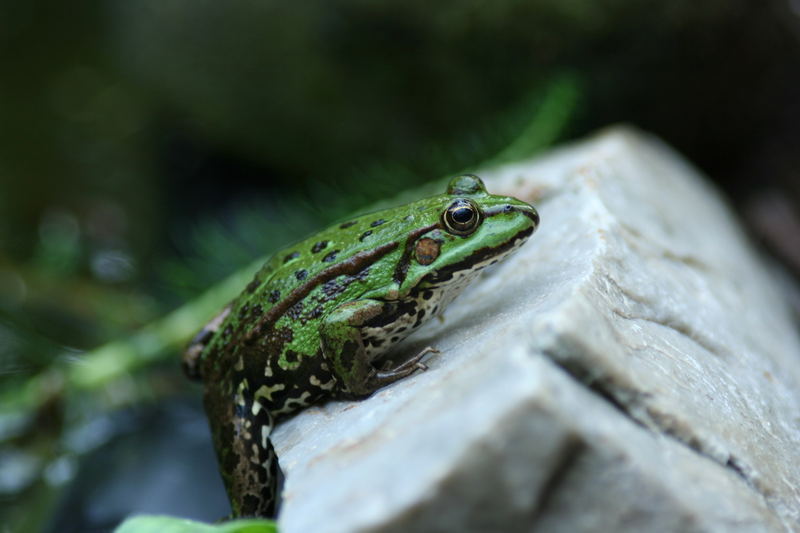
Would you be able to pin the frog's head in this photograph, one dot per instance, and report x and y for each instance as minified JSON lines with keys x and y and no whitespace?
{"x":475,"y":229}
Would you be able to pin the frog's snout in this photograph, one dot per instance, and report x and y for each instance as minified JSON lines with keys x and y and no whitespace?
{"x":522,"y":208}
{"x":527,"y":210}
{"x":530,"y":212}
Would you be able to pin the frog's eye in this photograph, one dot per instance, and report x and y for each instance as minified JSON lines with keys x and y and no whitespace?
{"x":462,"y":217}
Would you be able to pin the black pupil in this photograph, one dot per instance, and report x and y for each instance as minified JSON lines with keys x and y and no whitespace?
{"x":462,"y":215}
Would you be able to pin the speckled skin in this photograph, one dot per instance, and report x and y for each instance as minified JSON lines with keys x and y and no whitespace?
{"x":315,"y":317}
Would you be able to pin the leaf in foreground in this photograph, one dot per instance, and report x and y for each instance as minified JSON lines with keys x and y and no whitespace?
{"x":169,"y":524}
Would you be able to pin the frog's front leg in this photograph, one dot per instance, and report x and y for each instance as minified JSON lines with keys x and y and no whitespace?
{"x":343,"y":347}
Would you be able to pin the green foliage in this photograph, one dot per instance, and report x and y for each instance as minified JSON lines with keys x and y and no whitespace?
{"x":553,"y":110}
{"x":167,"y":524}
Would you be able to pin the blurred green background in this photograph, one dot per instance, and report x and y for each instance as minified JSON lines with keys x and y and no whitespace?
{"x":150,"y":149}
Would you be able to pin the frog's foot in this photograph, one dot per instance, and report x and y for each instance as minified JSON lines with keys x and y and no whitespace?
{"x":416,"y":361}
{"x":381,"y":378}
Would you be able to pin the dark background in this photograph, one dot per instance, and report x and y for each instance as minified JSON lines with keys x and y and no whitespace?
{"x":148,"y":149}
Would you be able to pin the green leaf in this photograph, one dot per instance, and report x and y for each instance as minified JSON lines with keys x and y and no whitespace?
{"x":170,"y":524}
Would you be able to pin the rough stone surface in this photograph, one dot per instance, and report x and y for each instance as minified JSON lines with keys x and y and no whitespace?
{"x":633,"y":368}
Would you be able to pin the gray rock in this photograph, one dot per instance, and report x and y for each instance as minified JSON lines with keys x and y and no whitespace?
{"x":634,"y":367}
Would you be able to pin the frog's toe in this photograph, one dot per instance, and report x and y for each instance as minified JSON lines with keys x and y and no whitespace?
{"x":416,"y":361}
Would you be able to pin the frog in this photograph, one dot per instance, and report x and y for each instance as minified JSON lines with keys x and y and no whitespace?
{"x":317,"y":318}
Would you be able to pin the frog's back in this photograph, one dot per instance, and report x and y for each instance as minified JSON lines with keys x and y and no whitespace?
{"x":331,"y":262}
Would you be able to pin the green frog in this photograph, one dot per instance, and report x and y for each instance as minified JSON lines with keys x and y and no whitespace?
{"x":316,"y":317}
